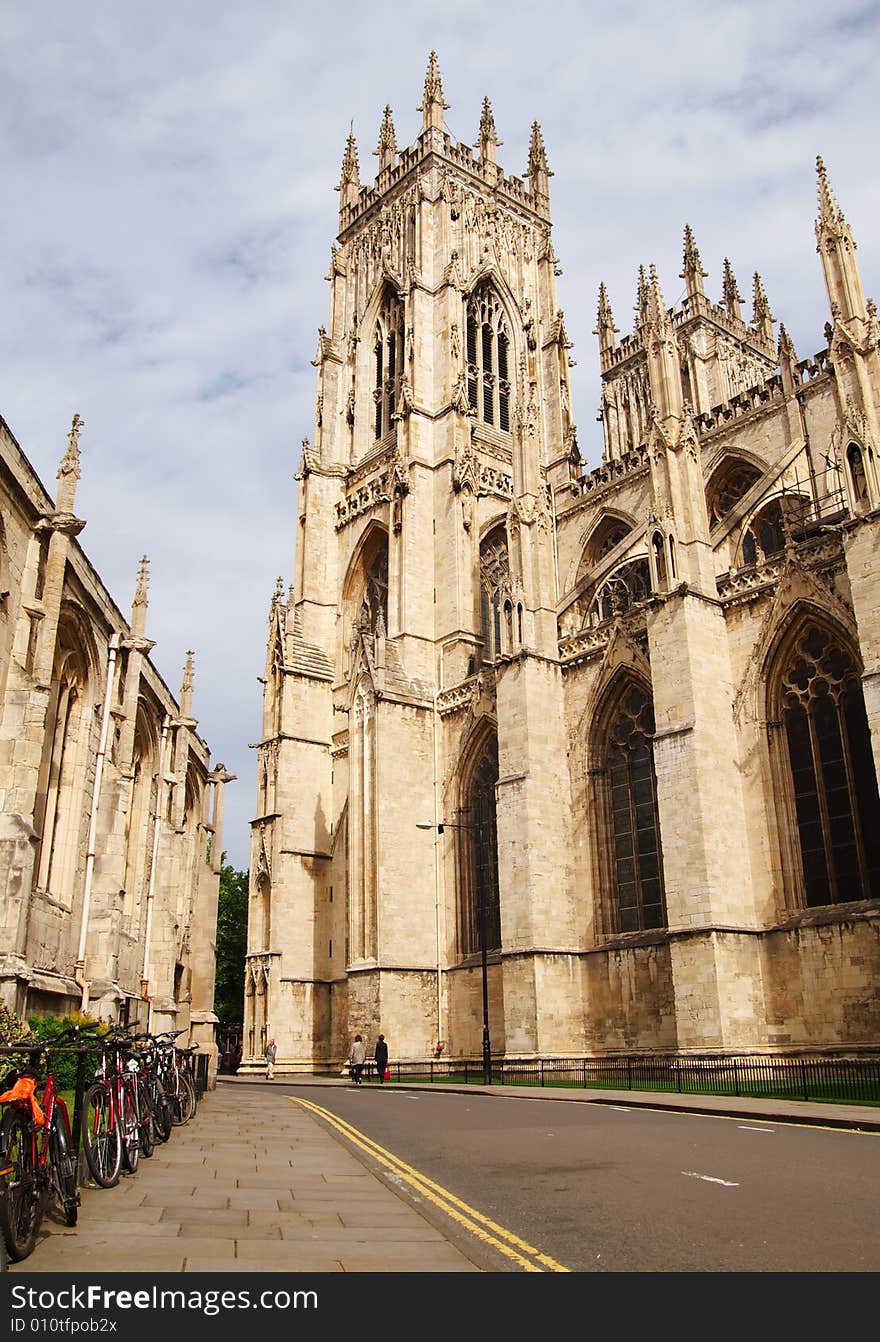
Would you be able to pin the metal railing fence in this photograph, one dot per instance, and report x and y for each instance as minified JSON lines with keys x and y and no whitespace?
{"x":842,"y":1080}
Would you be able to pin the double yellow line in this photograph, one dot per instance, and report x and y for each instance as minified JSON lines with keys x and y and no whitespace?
{"x":517,"y":1250}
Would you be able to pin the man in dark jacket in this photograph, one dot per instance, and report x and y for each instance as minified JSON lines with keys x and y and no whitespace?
{"x":381,"y":1056}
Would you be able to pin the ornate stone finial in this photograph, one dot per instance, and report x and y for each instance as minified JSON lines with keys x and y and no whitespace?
{"x":538,"y":172}
{"x":830,"y":212}
{"x":350,"y":179}
{"x":655,"y":306}
{"x":785,"y":347}
{"x":605,"y":328}
{"x":732,"y":296}
{"x":762,"y":317}
{"x":488,"y":141}
{"x":693,"y":272}
{"x":641,"y":308}
{"x":387,"y":147}
{"x":279,"y":591}
{"x":70,"y":461}
{"x":186,"y":689}
{"x":432,"y":105}
{"x":143,"y":580}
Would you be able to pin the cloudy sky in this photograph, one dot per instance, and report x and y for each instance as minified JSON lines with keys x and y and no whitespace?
{"x":168,"y":173}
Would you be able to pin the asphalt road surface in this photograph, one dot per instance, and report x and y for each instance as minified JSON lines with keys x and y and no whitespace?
{"x":595,"y":1188}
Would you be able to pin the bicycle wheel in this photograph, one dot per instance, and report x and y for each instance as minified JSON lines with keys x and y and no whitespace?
{"x":102,"y":1138}
{"x":161,"y":1113}
{"x":131,"y":1135}
{"x":186,"y":1098}
{"x":20,"y":1202}
{"x":64,"y":1166}
{"x":147,"y":1123}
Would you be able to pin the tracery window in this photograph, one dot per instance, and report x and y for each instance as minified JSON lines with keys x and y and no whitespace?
{"x":388,"y":353}
{"x":478,"y":846}
{"x":832,"y":772}
{"x":488,"y":348}
{"x":636,"y":857}
{"x":730,"y":485}
{"x":621,"y":589}
{"x":494,"y":583}
{"x":373,"y":617}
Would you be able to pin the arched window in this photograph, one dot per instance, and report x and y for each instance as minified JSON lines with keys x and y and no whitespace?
{"x":388,"y":352}
{"x":478,"y":846}
{"x":832,"y":773}
{"x":488,"y":349}
{"x":729,"y":484}
{"x":494,"y":583}
{"x":141,"y":808}
{"x":636,"y":857}
{"x":61,"y":800}
{"x":373,"y":617}
{"x":621,"y":589}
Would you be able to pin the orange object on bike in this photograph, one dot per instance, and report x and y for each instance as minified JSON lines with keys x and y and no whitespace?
{"x":24,"y":1090}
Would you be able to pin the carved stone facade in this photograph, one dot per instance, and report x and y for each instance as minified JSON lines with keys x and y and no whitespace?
{"x":617,"y":732}
{"x":110,"y":811}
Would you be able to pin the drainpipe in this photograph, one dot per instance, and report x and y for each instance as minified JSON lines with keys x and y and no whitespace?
{"x":79,"y":973}
{"x":157,"y":818}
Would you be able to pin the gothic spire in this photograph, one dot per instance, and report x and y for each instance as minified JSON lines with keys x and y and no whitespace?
{"x":432,"y":105}
{"x":350,"y":180}
{"x":68,"y":470}
{"x":732,"y":296}
{"x":387,"y":148}
{"x":654,"y":304}
{"x":538,"y":172}
{"x":605,"y":328}
{"x":641,"y":308}
{"x":140,"y":601}
{"x":762,"y":317}
{"x":488,"y":141}
{"x":830,"y":213}
{"x":837,"y":247}
{"x":693,"y":272}
{"x":785,"y":347}
{"x":186,"y":687}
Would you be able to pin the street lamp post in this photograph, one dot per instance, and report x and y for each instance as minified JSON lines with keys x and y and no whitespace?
{"x":440,"y":826}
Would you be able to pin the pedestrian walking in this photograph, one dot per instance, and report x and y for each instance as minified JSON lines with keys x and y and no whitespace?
{"x":381,"y":1056}
{"x":356,"y":1059}
{"x":270,"y":1060}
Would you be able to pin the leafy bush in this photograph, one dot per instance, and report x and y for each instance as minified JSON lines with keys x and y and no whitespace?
{"x":12,"y":1028}
{"x":47,"y":1028}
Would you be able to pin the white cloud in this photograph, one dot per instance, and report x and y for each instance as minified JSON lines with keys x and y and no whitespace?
{"x":169,"y":208}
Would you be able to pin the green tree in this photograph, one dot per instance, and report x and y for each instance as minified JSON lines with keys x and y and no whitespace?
{"x":232,"y":916}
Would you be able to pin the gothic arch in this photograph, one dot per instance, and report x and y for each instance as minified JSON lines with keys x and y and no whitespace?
{"x":604,"y":535}
{"x":61,"y":795}
{"x":495,"y":585}
{"x":629,"y":855}
{"x":476,"y":844}
{"x":377,"y":392}
{"x":821,"y":762}
{"x":766,"y":528}
{"x":491,"y":351}
{"x":365,"y":587}
{"x":729,"y":482}
{"x":142,"y":791}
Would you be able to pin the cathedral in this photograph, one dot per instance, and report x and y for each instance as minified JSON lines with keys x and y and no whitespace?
{"x":582,"y":761}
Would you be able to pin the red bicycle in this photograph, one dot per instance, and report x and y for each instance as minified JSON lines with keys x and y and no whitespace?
{"x":37,"y":1157}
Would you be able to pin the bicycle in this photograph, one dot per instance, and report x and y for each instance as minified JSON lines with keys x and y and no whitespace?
{"x":175,"y":1078}
{"x":111,"y":1122}
{"x":38,"y":1163}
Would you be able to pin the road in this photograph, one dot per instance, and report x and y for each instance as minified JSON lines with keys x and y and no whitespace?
{"x":595,"y":1188}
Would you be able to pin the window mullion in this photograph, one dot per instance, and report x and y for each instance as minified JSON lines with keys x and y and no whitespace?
{"x":830,"y":866}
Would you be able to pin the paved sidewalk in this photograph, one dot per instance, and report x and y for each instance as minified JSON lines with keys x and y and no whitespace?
{"x":226,"y":1194}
